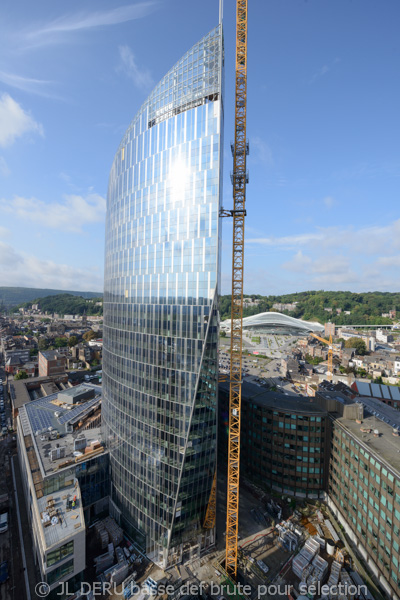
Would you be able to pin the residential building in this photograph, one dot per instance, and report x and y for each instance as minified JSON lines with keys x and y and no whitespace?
{"x":330,"y":329}
{"x":160,"y":329}
{"x":51,"y":363}
{"x":284,"y":306}
{"x":397,"y":365}
{"x":383,"y":336}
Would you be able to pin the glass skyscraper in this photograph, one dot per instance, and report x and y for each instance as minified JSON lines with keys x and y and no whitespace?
{"x":160,"y":307}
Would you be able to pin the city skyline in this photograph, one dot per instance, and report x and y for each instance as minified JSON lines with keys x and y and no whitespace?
{"x":324,"y":163}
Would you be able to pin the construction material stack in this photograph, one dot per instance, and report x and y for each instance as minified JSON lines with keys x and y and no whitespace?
{"x":333,"y":580}
{"x":101,"y":534}
{"x":302,"y":561}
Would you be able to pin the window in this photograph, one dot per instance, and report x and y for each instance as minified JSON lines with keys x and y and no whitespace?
{"x":60,"y":572}
{"x":62,"y":552}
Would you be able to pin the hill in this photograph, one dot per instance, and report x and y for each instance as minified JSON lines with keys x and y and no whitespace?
{"x":365,"y":308}
{"x":12,"y":296}
{"x":66,"y":304}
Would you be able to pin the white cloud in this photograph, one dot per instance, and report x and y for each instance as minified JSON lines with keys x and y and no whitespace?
{"x":70,"y":215}
{"x":14,"y":121}
{"x":52,"y":32}
{"x":4,"y":233}
{"x":20,"y":269}
{"x":366,"y":240}
{"x":299,"y":262}
{"x":140,"y":76}
{"x":4,"y":168}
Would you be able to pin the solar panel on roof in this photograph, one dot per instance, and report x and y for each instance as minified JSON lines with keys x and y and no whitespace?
{"x":376,"y":390}
{"x":71,"y":414}
{"x":395,"y":393}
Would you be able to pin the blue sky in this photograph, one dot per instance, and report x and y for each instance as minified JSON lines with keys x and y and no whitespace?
{"x":323,"y":123}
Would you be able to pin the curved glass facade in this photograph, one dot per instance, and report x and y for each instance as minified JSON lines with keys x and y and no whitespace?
{"x":160,"y":312}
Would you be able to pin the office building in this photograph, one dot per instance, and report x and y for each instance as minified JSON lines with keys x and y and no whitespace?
{"x":284,"y":440}
{"x":364,"y":492}
{"x":65,"y":476}
{"x":160,"y":307}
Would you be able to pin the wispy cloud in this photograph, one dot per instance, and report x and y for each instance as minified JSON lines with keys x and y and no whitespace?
{"x":72,"y":214}
{"x":140,"y":76}
{"x":366,"y":240}
{"x":329,"y":202}
{"x":55,"y":31}
{"x":288,"y":241}
{"x":21,"y":269}
{"x":262,"y":151}
{"x":15,"y":121}
{"x":323,"y":70}
{"x":26,"y":84}
{"x":4,"y":168}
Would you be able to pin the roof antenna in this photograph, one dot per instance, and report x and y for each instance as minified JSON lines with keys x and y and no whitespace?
{"x":221,"y":10}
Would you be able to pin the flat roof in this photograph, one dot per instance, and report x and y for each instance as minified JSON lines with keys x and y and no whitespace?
{"x":277,"y":400}
{"x":38,"y":418}
{"x":386,"y":446}
{"x":18,"y":389}
{"x":66,"y":521}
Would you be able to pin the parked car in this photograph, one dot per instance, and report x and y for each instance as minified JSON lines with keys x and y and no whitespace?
{"x":4,"y":571}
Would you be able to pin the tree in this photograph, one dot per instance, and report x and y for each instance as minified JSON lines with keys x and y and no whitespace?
{"x":358,"y":344}
{"x":21,"y":375}
{"x":42,"y":344}
{"x":73,"y":340}
{"x":60,"y":342}
{"x":222,"y":334}
{"x":89,"y":335}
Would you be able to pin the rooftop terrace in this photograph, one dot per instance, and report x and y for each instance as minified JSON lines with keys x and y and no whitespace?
{"x":61,"y":520}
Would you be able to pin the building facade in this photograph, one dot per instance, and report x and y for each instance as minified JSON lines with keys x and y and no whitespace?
{"x":364,"y":494}
{"x":51,"y":363}
{"x":160,"y":307}
{"x":65,"y":490}
{"x":284,"y":440}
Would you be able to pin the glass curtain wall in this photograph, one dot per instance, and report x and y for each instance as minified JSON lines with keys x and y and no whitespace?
{"x":160,"y":306}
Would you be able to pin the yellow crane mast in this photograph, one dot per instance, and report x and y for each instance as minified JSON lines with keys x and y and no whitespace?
{"x":239,"y":179}
{"x":330,"y":353}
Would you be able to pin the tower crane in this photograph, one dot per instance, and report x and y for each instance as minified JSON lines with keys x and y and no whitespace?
{"x":240,"y":150}
{"x":330,"y":353}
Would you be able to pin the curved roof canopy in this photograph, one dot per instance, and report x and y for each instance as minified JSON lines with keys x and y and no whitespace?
{"x":275,"y":320}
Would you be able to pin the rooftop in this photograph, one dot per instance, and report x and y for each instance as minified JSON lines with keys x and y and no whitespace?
{"x":53,"y":427}
{"x":60,"y":520}
{"x":50,"y":354}
{"x":277,"y":400}
{"x":386,"y":446}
